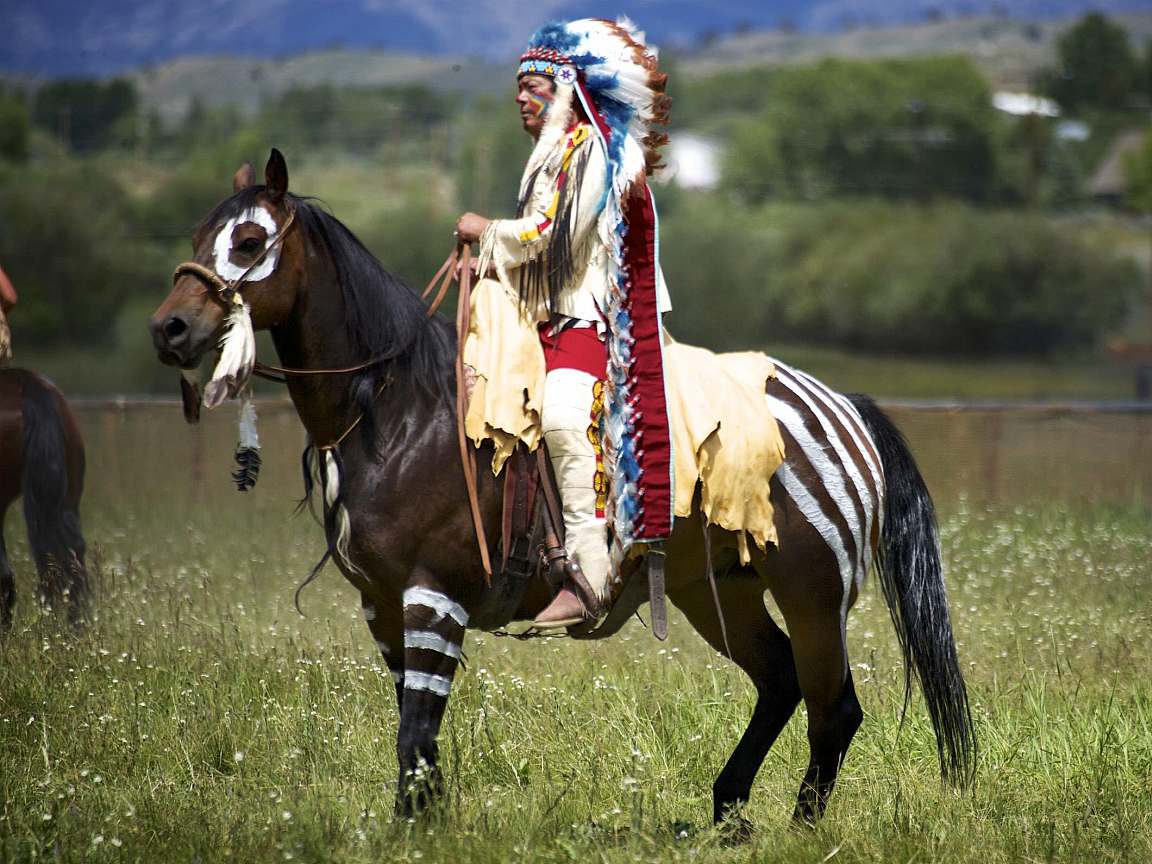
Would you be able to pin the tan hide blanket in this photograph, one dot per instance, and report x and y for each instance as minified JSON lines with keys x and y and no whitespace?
{"x":723,"y":434}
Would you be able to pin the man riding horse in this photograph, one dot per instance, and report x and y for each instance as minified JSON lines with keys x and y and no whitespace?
{"x":580,"y":260}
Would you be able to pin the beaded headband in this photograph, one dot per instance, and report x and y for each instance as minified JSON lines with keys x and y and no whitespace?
{"x":549,"y":62}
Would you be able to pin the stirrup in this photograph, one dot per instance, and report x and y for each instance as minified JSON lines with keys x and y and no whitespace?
{"x":575,"y":602}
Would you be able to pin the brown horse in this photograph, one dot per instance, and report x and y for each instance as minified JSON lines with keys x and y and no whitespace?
{"x":42,"y":457}
{"x":398,"y":525}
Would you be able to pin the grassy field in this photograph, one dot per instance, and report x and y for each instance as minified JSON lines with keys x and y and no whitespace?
{"x":201,"y":719}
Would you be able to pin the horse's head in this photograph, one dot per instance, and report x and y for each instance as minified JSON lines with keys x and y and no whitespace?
{"x":241,"y":239}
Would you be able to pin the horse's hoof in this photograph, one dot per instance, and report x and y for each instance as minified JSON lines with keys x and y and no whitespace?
{"x":735,"y":830}
{"x":805,"y":818}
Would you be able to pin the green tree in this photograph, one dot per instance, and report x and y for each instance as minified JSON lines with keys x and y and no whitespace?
{"x":1096,"y":66}
{"x":491,"y":158}
{"x":68,"y":241}
{"x":87,"y":115}
{"x":1138,"y":174}
{"x":919,"y":128}
{"x":13,"y":129}
{"x":357,"y":119}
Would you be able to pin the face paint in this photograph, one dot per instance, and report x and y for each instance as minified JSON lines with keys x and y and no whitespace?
{"x":222,"y":248}
{"x":539,"y":103}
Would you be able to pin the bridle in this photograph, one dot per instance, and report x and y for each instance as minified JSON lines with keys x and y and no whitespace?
{"x":229,"y":291}
{"x":458,"y":264}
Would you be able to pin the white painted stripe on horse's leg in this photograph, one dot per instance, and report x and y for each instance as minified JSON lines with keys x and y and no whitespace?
{"x":442,"y":604}
{"x":824,"y":526}
{"x":432,"y":642}
{"x":384,"y":647}
{"x":437,"y":684}
{"x":828,"y":473}
{"x":397,"y":675}
{"x":857,"y":427}
{"x":369,"y":612}
{"x":810,"y":397}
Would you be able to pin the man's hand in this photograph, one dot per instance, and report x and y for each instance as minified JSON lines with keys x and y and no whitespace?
{"x":470,"y":226}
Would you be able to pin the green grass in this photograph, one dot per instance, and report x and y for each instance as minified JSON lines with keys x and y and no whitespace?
{"x":200,"y":718}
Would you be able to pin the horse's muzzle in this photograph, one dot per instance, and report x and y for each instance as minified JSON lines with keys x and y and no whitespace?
{"x":176,"y":340}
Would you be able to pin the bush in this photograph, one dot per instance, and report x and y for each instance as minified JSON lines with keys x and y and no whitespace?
{"x":68,"y":241}
{"x":87,"y":115}
{"x":944,"y":279}
{"x":13,"y":129}
{"x":918,"y":129}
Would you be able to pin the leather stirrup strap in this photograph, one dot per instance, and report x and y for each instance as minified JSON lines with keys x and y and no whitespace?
{"x":511,"y":472}
{"x":551,"y":496}
{"x":467,"y":453}
{"x":712,"y":583}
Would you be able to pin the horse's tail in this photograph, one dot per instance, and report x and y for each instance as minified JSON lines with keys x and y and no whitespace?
{"x":912,"y":579}
{"x":52,"y":483}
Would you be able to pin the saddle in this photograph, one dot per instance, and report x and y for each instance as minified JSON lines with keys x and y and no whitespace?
{"x":531,"y":545}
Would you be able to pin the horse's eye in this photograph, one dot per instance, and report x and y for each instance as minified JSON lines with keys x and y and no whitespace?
{"x":250,"y":245}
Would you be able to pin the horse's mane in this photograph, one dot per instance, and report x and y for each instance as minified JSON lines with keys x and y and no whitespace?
{"x":383,"y":317}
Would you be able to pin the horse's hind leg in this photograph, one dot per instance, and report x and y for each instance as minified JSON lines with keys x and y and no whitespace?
{"x":7,"y":579}
{"x":834,"y":713}
{"x":763,"y":651}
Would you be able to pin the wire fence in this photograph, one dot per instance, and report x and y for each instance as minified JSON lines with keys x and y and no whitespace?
{"x":976,"y":454}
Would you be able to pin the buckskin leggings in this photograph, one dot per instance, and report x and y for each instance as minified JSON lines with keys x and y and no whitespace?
{"x":575,"y":361}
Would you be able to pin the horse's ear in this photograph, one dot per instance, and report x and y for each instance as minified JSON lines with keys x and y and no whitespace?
{"x":244,"y":177}
{"x":276,"y":175}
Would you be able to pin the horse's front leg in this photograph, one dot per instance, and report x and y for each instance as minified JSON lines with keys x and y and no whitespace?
{"x":434,"y":627}
{"x":7,"y":579}
{"x":386,"y":622}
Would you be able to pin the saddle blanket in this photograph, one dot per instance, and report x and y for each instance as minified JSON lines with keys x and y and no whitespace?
{"x":724,"y":436}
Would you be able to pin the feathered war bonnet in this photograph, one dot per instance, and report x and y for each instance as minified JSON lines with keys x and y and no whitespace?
{"x":606,"y":68}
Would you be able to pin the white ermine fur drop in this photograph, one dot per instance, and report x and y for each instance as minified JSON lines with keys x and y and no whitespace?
{"x":249,"y":437}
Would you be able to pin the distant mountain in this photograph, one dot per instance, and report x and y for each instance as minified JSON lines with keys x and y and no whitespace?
{"x":52,"y":38}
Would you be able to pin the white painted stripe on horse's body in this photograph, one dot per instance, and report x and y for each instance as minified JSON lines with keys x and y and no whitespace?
{"x":857,"y":427}
{"x":833,"y":482}
{"x":431,"y":641}
{"x":810,"y":396}
{"x":437,"y":684}
{"x":442,"y":604}
{"x":815,"y":515}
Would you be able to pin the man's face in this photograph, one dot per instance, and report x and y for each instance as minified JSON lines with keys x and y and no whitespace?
{"x":534,"y":97}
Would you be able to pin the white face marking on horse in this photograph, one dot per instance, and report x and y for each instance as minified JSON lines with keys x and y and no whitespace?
{"x":222,"y":248}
